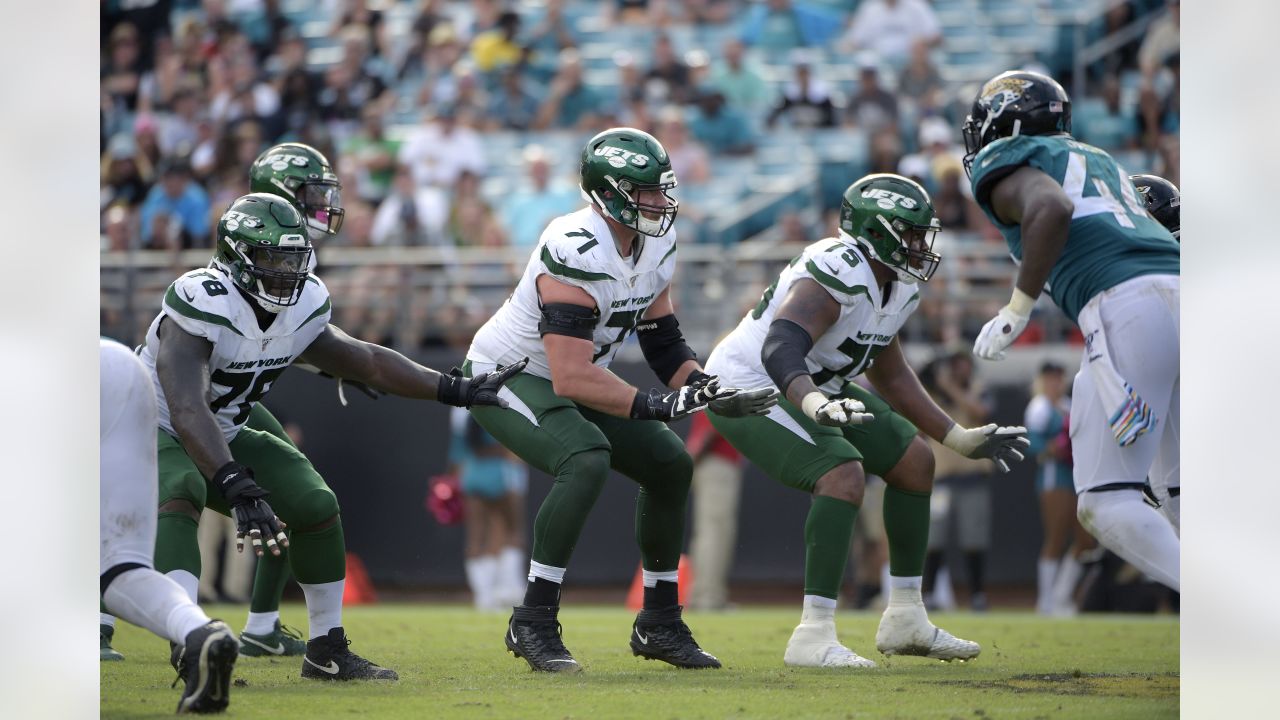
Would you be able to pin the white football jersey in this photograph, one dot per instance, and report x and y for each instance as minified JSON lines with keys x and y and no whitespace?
{"x":865,"y":327}
{"x":246,"y":360}
{"x":577,"y":249}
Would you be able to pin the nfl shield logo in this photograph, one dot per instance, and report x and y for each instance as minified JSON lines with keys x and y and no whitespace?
{"x":264,"y":343}
{"x":633,"y":280}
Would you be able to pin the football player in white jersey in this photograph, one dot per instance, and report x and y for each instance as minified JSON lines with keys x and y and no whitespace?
{"x":127,"y":521}
{"x":596,"y":276}
{"x":834,"y":313}
{"x":225,"y":333}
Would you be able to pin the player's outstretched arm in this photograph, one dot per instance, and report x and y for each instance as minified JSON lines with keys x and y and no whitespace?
{"x":182,"y":364}
{"x":384,"y":369}
{"x":807,"y":312}
{"x":676,"y":365}
{"x":1033,"y":200}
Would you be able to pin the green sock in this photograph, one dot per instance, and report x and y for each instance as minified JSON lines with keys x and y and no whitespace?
{"x":827,"y":533}
{"x":269,"y":580}
{"x":177,"y":547}
{"x":579,"y":481}
{"x":660,"y":528}
{"x":906,"y":522}
{"x":318,"y":556}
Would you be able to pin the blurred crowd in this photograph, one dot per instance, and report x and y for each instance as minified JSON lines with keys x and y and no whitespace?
{"x":456,"y":124}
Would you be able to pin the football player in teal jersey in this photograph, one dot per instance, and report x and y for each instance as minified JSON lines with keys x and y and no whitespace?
{"x":1077,"y":229}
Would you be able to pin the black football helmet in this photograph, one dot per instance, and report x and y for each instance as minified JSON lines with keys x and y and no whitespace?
{"x":1016,"y":102}
{"x":1163,"y":201}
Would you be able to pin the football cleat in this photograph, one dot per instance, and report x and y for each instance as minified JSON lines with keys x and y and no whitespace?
{"x":906,"y":630}
{"x":281,"y":641}
{"x":105,"y":651}
{"x":662,"y":635}
{"x":534,"y":633}
{"x":328,"y":658}
{"x":208,"y":656}
{"x":814,"y":644}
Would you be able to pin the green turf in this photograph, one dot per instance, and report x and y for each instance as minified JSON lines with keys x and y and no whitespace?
{"x":452,"y":664}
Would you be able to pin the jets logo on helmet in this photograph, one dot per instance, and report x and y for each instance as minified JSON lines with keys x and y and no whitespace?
{"x":627,"y":176}
{"x":262,"y":245}
{"x":303,"y":176}
{"x":892,"y":219}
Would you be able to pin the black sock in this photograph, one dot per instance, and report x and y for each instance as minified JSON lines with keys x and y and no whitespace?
{"x":662,"y":595}
{"x":542,"y":593}
{"x":975,"y":559}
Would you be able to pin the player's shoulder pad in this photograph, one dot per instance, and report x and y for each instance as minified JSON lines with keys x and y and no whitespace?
{"x":315,"y":303}
{"x":839,"y":267}
{"x":1002,"y":157}
{"x":574,"y":253}
{"x":200,"y":299}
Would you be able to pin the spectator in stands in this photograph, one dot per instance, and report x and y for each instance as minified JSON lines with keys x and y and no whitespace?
{"x":920,"y":82}
{"x":806,"y":101}
{"x":570,"y":104}
{"x":122,"y":69}
{"x":1103,"y":121}
{"x":708,"y":12}
{"x":294,"y":83}
{"x":689,"y":159}
{"x":495,"y":50}
{"x":949,"y":380}
{"x":669,"y":74}
{"x":117,"y":228}
{"x":351,"y":84}
{"x":145,"y":135}
{"x":724,"y":130}
{"x":511,"y":107}
{"x":371,"y":157}
{"x":440,"y":151}
{"x":716,"y":489}
{"x":179,"y":205}
{"x":1159,"y":43}
{"x":355,"y":12}
{"x":177,"y":130}
{"x":411,"y":215}
{"x":125,"y":174}
{"x":777,"y":26}
{"x":891,"y":27}
{"x":245,"y":95}
{"x":872,"y":108}
{"x":552,"y":34}
{"x":738,"y":80}
{"x":1159,"y":105}
{"x":885,"y":150}
{"x":537,"y":201}
{"x":471,"y":102}
{"x":472,"y":222}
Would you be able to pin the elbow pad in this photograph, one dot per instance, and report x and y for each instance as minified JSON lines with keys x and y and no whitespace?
{"x":568,"y":319}
{"x":664,"y":347}
{"x":783,"y":352}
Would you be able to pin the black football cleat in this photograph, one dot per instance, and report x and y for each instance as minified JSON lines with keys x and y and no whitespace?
{"x":662,"y":635}
{"x":207,"y":657}
{"x":328,"y":658}
{"x":534,"y":633}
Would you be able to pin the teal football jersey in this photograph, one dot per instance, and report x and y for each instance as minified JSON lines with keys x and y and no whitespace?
{"x":1112,"y":238}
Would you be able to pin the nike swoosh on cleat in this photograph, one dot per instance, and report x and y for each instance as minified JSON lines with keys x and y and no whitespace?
{"x":277,"y":650}
{"x":331,"y":668}
{"x":512,"y":633}
{"x":643,"y":640}
{"x":575,"y":662}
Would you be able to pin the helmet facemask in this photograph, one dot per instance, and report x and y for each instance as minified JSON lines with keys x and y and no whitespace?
{"x":321,"y":205}
{"x":273,"y":276}
{"x":647,"y":218}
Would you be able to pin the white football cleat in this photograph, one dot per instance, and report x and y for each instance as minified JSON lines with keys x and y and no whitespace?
{"x":906,"y":630}
{"x":815,"y":645}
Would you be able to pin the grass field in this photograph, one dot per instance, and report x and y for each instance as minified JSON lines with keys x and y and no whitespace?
{"x":452,"y":664}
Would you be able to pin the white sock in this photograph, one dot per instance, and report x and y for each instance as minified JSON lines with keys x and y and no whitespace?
{"x":1046,"y":571}
{"x":263,"y":623}
{"x":1135,"y":531}
{"x":818,"y":609}
{"x":108,"y":620}
{"x":148,"y":599}
{"x":482,"y":576}
{"x":1064,"y":586}
{"x":651,"y":578}
{"x":187,"y":582}
{"x":546,"y":572}
{"x":324,"y":606}
{"x":511,"y":570}
{"x":905,"y":590}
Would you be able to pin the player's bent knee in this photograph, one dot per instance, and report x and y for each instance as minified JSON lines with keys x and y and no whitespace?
{"x":590,"y":466}
{"x":844,"y":482}
{"x":914,"y":470}
{"x":178,"y":505}
{"x":313,"y":510}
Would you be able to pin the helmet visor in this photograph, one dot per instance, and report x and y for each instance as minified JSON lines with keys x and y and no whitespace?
{"x":280,"y":272}
{"x":322,"y":206}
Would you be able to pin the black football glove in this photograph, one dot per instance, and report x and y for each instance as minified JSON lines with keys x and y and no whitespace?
{"x":671,"y":405}
{"x":482,"y":389}
{"x":249,"y":508}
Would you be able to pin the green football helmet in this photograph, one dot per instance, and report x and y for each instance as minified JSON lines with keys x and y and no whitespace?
{"x":892,"y":219}
{"x":263,"y":247}
{"x":302,"y":175}
{"x":617,"y":166}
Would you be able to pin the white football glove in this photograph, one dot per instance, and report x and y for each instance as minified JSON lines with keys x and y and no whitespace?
{"x":1001,"y":444}
{"x":835,"y":412}
{"x":1001,"y":330}
{"x":736,"y":402}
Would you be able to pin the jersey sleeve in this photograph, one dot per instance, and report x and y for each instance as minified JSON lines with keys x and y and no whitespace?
{"x":571,"y":260}
{"x":197,"y":302}
{"x":839,"y":271}
{"x":999,"y":159}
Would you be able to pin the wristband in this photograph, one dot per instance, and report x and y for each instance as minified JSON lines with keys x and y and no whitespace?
{"x":1021,"y":303}
{"x":811,"y":402}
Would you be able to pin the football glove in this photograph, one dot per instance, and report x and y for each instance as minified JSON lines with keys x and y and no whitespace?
{"x":742,"y":403}
{"x":675,"y":404}
{"x":1002,"y":444}
{"x":482,"y":389}
{"x":835,"y":412}
{"x":249,"y":508}
{"x":1001,"y":330}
